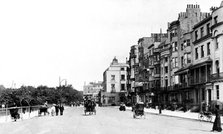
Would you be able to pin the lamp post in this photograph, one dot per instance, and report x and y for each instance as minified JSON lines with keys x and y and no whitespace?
{"x":60,"y":81}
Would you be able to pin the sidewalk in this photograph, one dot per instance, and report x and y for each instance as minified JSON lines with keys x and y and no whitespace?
{"x":23,"y":116}
{"x":180,"y":114}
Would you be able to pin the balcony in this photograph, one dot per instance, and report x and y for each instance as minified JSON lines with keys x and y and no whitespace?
{"x":180,"y":86}
{"x":204,"y":79}
{"x":165,"y":89}
{"x":217,"y":76}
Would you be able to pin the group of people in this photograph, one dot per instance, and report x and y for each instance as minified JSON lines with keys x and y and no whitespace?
{"x":57,"y":110}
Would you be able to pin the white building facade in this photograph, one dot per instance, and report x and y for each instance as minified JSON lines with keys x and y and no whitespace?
{"x":114,"y":83}
{"x":92,"y":90}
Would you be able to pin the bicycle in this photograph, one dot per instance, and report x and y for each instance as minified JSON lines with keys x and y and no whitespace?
{"x":205,"y":116}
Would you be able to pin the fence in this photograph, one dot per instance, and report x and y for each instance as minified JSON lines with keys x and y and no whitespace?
{"x":25,"y":112}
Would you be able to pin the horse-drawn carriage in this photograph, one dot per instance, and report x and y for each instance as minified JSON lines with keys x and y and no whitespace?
{"x":138,"y":110}
{"x":89,"y":107}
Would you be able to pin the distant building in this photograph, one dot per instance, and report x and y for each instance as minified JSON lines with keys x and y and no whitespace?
{"x":114,"y":83}
{"x":92,"y":90}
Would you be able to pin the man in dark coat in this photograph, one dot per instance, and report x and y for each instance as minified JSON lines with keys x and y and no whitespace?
{"x":217,"y":121}
{"x":61,"y":110}
{"x":57,"y":109}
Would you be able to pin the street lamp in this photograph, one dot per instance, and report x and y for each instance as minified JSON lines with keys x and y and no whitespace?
{"x":60,"y":81}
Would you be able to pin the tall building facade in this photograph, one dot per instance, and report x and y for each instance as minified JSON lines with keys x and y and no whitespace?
{"x":185,"y":69}
{"x":217,"y":46}
{"x":114,"y":83}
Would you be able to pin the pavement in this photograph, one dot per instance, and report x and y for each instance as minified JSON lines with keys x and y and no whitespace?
{"x":23,"y":116}
{"x":179,"y":114}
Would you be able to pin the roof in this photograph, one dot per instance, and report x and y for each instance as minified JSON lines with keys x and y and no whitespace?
{"x":202,"y":22}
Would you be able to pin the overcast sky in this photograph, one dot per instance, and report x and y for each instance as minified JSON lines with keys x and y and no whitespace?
{"x":41,"y":40}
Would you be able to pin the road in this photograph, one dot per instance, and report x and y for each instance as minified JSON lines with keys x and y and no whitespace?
{"x":108,"y":120}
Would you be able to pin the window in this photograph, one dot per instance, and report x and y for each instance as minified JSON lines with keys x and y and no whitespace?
{"x":182,"y":46}
{"x":122,"y":77}
{"x":166,"y":82}
{"x":208,"y":48}
{"x":122,"y":87}
{"x":202,"y":51}
{"x":216,"y":47}
{"x":196,"y":35}
{"x":182,"y":61}
{"x":185,"y":59}
{"x":174,"y":46}
{"x":112,"y":87}
{"x":122,"y":69}
{"x":217,"y":91}
{"x":215,"y":19}
{"x":208,"y":28}
{"x":166,"y":59}
{"x":173,"y":62}
{"x":161,"y":70}
{"x":196,"y":53}
{"x":217,"y":66}
{"x":166,"y":69}
{"x":202,"y":31}
{"x":188,"y":42}
{"x":188,"y":57}
{"x":176,"y":62}
{"x":112,"y":77}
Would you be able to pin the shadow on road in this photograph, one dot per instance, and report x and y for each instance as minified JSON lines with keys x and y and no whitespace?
{"x":208,"y":131}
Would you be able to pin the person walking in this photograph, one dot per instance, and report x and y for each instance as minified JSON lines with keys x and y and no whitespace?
{"x":160,"y":108}
{"x":57,"y":109}
{"x":61,"y":109}
{"x":217,"y":121}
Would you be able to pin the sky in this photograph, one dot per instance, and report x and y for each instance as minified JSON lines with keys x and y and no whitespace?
{"x":76,"y":40}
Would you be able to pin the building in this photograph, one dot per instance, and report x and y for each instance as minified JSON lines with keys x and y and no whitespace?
{"x":139,"y":59}
{"x":92,"y":90}
{"x":132,"y":72}
{"x":217,"y":46}
{"x":185,"y":69}
{"x":114,"y":83}
{"x":176,"y":56}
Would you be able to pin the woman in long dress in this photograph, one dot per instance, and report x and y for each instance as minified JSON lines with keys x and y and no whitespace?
{"x":217,"y":121}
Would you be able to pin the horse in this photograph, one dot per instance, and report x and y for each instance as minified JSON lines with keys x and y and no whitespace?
{"x":43,"y":109}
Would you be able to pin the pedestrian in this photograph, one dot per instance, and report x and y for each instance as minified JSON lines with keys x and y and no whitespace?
{"x":217,"y":121}
{"x":160,"y":109}
{"x":57,"y":109}
{"x":61,"y":110}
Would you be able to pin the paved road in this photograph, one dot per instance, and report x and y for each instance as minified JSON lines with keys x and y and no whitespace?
{"x":107,"y":121}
